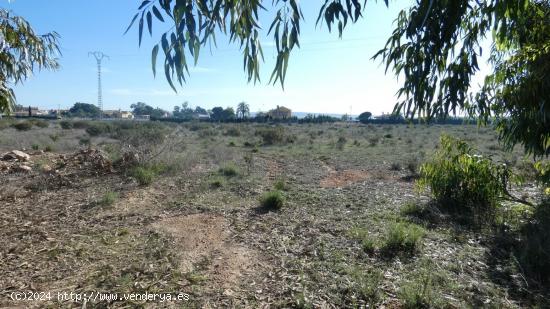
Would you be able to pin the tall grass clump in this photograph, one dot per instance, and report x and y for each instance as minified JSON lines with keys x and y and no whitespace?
{"x":463,"y":181}
{"x":403,"y":237}
{"x":229,"y":170}
{"x":145,"y":174}
{"x":272,"y":200}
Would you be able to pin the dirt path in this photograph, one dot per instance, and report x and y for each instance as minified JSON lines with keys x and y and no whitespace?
{"x":338,"y":179}
{"x":203,"y":242}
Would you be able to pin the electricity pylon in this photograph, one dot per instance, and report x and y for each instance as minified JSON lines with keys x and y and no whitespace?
{"x":99,"y":56}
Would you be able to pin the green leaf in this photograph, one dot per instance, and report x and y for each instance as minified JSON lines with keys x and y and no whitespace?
{"x":157,"y":14}
{"x":131,"y":23}
{"x":150,"y":23}
{"x":154,"y":59}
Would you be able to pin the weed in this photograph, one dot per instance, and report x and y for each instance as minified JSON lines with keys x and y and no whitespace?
{"x":403,"y":237}
{"x":48,"y":148}
{"x":363,"y":235}
{"x":54,"y":137}
{"x":146,"y":174}
{"x":35,"y":146}
{"x":229,"y":170}
{"x":272,"y":200}
{"x":280,"y":185}
{"x":108,"y":198}
{"x":217,"y":182}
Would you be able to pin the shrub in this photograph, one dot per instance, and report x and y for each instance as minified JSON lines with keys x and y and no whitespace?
{"x":533,"y":251}
{"x":229,"y":170}
{"x":40,"y":123}
{"x":373,"y":141}
{"x":412,"y":166}
{"x":98,"y":128}
{"x":217,"y":182}
{"x":388,"y":136}
{"x":395,"y":166}
{"x":233,"y":131}
{"x":403,"y":237}
{"x":66,"y":125}
{"x":411,"y":209}
{"x":420,"y":292}
{"x":48,"y":148}
{"x":280,"y":185}
{"x":463,"y":181}
{"x":81,"y":124}
{"x":23,"y":126}
{"x":272,"y":200}
{"x":362,"y":234}
{"x":85,"y":141}
{"x":35,"y":146}
{"x":108,"y":199}
{"x":146,"y":174}
{"x":271,"y":136}
{"x":341,"y":142}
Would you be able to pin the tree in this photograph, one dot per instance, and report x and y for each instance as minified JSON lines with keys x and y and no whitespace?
{"x":141,"y":108}
{"x":84,"y":110}
{"x":243,"y":110}
{"x":217,"y":113}
{"x":21,"y":52}
{"x":228,"y":114}
{"x":435,"y":47}
{"x":185,"y":112}
{"x":364,"y":117}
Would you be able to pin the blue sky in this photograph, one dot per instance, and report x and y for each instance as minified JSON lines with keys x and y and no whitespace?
{"x":327,"y":75}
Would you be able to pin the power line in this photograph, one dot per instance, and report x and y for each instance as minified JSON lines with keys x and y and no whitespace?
{"x":99,"y":56}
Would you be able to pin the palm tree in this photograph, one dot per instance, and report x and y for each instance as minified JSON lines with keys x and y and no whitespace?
{"x":243,"y":110}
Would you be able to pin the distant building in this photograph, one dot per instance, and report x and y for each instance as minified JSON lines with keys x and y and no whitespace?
{"x":142,"y":117}
{"x":118,"y":114}
{"x":201,"y":116}
{"x":29,"y":111}
{"x":280,"y":112}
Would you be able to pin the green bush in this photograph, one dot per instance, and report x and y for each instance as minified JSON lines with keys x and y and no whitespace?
{"x":22,"y":126}
{"x":229,"y":170}
{"x":99,"y":128}
{"x":66,"y":125}
{"x":403,"y":237}
{"x":464,"y":181}
{"x":272,"y":136}
{"x":272,"y":200}
{"x":146,"y":174}
{"x":35,"y":146}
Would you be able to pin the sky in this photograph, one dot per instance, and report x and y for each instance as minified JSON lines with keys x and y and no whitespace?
{"x":326,"y":75}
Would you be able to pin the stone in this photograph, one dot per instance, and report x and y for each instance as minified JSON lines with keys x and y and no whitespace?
{"x":20,"y":155}
{"x":22,"y":168}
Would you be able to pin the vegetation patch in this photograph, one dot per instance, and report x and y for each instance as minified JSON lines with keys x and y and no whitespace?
{"x":272,"y":200}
